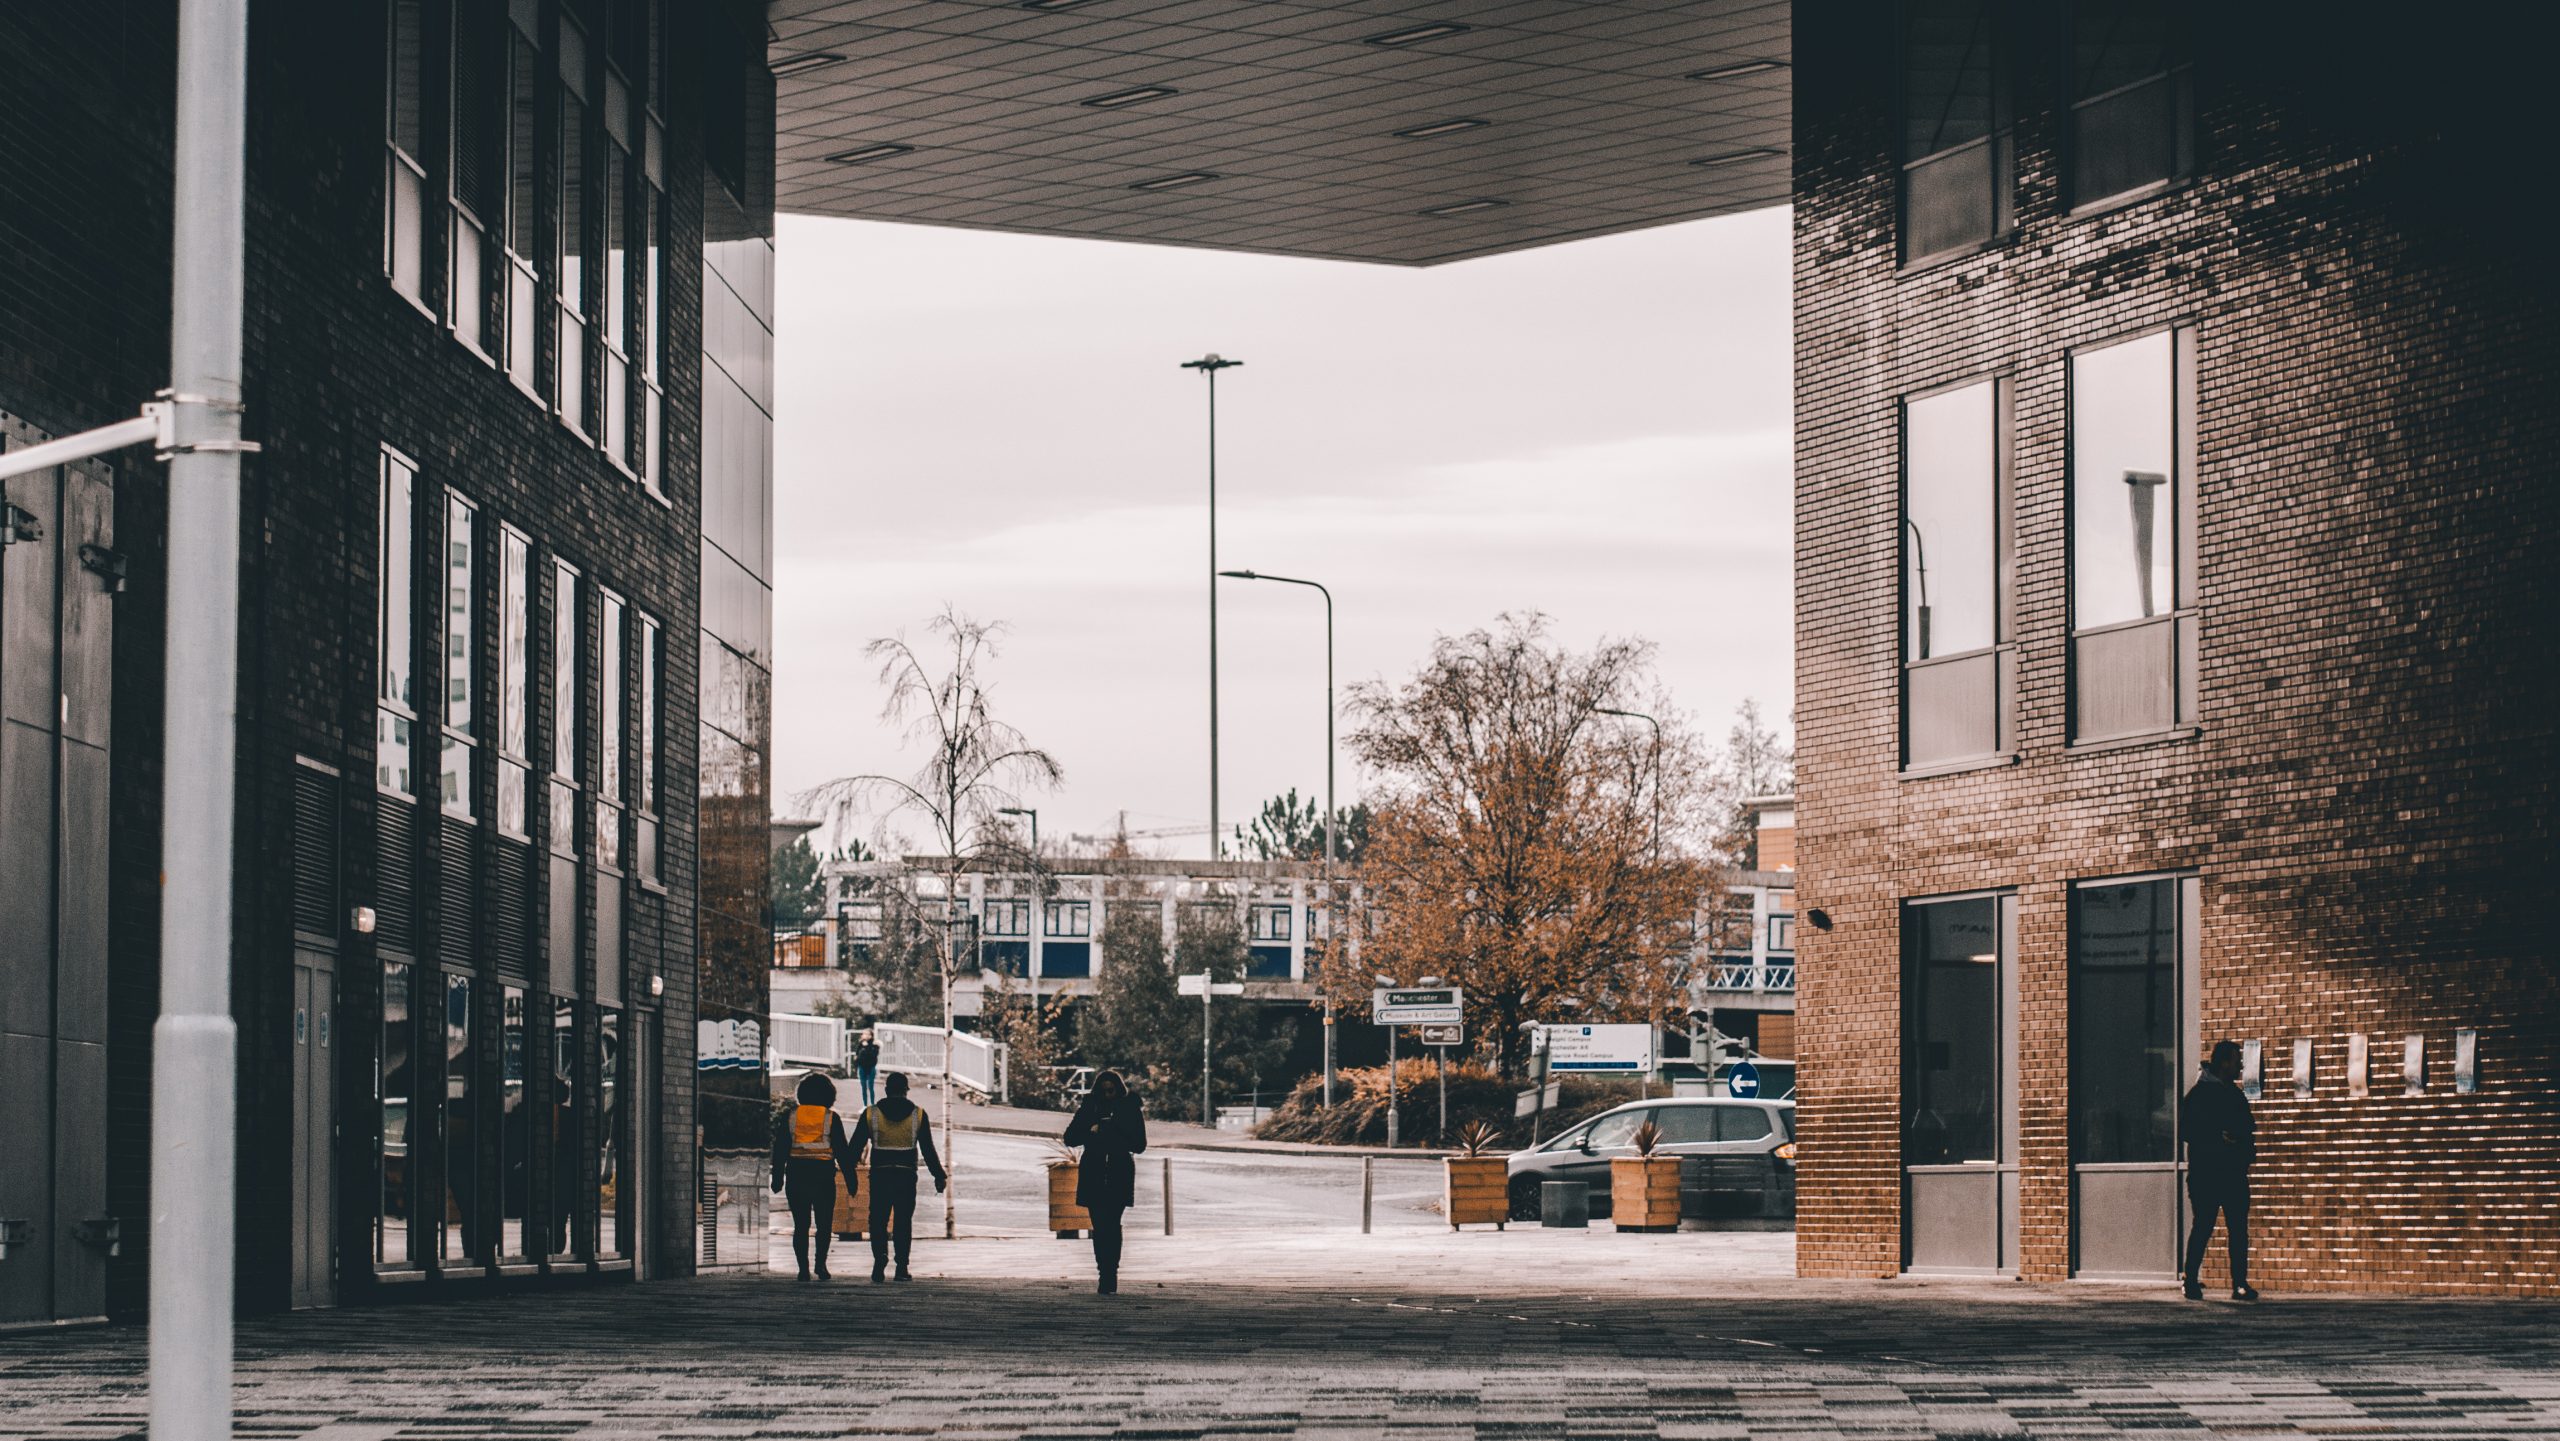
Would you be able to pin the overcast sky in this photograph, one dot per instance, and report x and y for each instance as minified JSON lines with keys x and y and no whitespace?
{"x":1598,"y":430}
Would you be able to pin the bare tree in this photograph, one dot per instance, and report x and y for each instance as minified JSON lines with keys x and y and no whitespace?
{"x":976,"y":766}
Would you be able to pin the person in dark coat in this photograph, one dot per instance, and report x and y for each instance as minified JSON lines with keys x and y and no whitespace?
{"x":866,"y":1065}
{"x":808,"y":1144}
{"x":1112,"y":1129}
{"x":2222,"y":1142}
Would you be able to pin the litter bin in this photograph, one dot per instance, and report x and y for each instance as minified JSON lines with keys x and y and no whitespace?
{"x":1565,"y":1204}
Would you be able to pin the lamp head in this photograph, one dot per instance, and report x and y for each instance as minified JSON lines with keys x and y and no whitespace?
{"x":1239,"y":575}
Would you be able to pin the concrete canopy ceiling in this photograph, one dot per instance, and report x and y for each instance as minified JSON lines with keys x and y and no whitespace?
{"x":1277,"y":131}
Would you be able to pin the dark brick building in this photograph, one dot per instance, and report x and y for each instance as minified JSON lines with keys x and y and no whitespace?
{"x":505,"y":632}
{"x":2175,"y":422}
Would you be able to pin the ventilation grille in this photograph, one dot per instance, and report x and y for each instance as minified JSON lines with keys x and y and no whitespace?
{"x":315,"y":852}
{"x":511,"y":908}
{"x":454,"y":863}
{"x":396,"y":892}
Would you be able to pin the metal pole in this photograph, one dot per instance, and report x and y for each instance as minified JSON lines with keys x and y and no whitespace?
{"x":1209,"y":365}
{"x":1168,"y":1195}
{"x":1391,"y":1088}
{"x":1368,"y":1189}
{"x":194,"y":1042}
{"x":1440,"y":1064}
{"x":1208,"y":980}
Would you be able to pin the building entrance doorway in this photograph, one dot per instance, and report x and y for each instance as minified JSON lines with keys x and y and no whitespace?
{"x":315,"y":1128}
{"x":2134,"y":1024}
{"x":1960,"y":1085}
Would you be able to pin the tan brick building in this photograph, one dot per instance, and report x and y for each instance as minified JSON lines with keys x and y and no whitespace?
{"x":2174,"y":436}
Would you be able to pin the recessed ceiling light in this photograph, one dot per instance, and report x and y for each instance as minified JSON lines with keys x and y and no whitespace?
{"x":1415,"y":35}
{"x":1444,"y":127}
{"x":869,"y":152}
{"x":1175,"y":182}
{"x":1053,"y":4}
{"x":1737,"y":157}
{"x":1138,"y":96}
{"x":804,"y":63}
{"x":1729,"y":72}
{"x":1465,"y":206}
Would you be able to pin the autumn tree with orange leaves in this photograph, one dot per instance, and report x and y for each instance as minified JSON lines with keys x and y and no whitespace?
{"x":1513,"y":848}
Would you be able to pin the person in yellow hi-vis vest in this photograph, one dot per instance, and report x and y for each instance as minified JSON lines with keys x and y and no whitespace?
{"x":808,"y":1140}
{"x":897,"y":1135}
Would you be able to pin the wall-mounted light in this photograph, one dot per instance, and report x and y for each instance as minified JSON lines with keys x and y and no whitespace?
{"x":1736,"y":71}
{"x":1442,"y":127}
{"x":869,"y":153}
{"x":657,"y":985}
{"x":802,"y":64}
{"x":2466,"y":1062}
{"x":1818,"y":918}
{"x":360,"y":920}
{"x":1176,"y":182}
{"x":1737,"y":157}
{"x":1465,"y":207}
{"x":1140,"y":95}
{"x":1415,"y":35}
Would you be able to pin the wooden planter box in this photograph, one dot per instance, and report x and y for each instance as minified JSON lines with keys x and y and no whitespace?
{"x":1066,"y":1219}
{"x":853,"y":1203}
{"x":1478,"y":1189}
{"x":1644,"y":1193}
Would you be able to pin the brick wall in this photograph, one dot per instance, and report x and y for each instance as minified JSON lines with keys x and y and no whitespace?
{"x":2368,"y":802}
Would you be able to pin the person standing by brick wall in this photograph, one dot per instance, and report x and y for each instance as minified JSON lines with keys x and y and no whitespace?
{"x":2222,"y":1141}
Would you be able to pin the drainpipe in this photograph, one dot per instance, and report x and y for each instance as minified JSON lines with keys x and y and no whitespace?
{"x":194,"y":1043}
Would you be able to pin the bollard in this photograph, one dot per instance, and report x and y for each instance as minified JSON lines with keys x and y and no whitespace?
{"x":1368,"y":1189}
{"x":1168,"y":1195}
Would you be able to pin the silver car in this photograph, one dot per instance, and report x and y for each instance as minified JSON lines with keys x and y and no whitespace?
{"x":1737,"y":1157}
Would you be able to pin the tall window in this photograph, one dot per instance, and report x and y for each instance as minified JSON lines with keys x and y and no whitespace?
{"x":394,"y":1091}
{"x":515,"y":680}
{"x":2132,"y":108}
{"x":563,"y":1132}
{"x":614,"y":205}
{"x":515,"y":1130}
{"x":608,"y":1137}
{"x":474,"y":115}
{"x":2132,"y":537}
{"x":1952,"y":561}
{"x":653,"y":332}
{"x":609,"y":736}
{"x":569,"y":383}
{"x":396,"y":705}
{"x":524,"y":202}
{"x":404,"y":206}
{"x":565,"y":648}
{"x":1956,"y":153}
{"x":459,"y":598}
{"x":1951,"y":1032}
{"x":2125,"y":1011}
{"x":462,"y":1238}
{"x":651,"y":650}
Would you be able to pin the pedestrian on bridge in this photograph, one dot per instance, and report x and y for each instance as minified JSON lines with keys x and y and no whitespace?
{"x":898,"y":1135}
{"x":1112,"y":1128}
{"x":808,"y":1142}
{"x":866,"y":1064}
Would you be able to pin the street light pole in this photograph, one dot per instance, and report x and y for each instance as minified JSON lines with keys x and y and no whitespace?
{"x":1332,"y":904}
{"x":1389,"y":981}
{"x":1209,"y":365}
{"x":1657,"y":770}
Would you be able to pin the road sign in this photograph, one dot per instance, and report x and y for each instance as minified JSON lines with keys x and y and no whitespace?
{"x":1444,"y":1035}
{"x":1194,"y":986}
{"x":1743,"y":1080}
{"x":1420,"y":1006}
{"x":1531,"y":1101}
{"x":1627,"y":1048}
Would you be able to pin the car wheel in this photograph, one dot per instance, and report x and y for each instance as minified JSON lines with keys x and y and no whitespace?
{"x":1524,"y":1198}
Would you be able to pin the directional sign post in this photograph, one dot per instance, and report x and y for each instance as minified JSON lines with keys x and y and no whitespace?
{"x":1743,"y":1080}
{"x":1443,"y":1035}
{"x":1202,"y":986}
{"x":1625,"y":1049}
{"x":1419,"y":1006}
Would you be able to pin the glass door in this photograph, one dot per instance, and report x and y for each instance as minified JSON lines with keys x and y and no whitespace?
{"x":2133,"y":1044}
{"x":1959,"y":1085}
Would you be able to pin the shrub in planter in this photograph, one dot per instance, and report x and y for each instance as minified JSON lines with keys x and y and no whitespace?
{"x":1644,"y":1189}
{"x":1067,"y":1220}
{"x":1478,"y":1186}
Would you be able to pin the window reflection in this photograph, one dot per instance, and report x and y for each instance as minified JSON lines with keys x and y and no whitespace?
{"x":393,"y":1083}
{"x":2124,"y":1022}
{"x":515,"y":1126}
{"x":565,"y":1155}
{"x":608,"y":1139}
{"x":1950,"y":537}
{"x":1951,"y":1032}
{"x":462,"y":1215}
{"x":2124,"y":482}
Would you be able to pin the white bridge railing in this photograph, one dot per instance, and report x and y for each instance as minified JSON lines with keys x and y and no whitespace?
{"x":1744,"y":976}
{"x":827,"y":1043}
{"x":816,"y":1042}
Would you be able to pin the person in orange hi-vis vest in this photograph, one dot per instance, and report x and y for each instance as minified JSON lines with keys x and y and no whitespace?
{"x":808,"y":1143}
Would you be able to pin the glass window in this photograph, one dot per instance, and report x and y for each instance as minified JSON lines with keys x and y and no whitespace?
{"x":1618,"y":1129}
{"x":1782,"y":931}
{"x":1008,"y":918}
{"x":474,"y":113}
{"x":2124,"y":1022}
{"x":652,"y":659}
{"x":394,"y":1085}
{"x":515,"y":1131}
{"x":614,"y":208}
{"x":653,"y":332}
{"x":609,"y":1124}
{"x":1270,"y":923}
{"x":515,"y":679}
{"x":1951,"y":523}
{"x":609,"y":736}
{"x":1951,"y":1032}
{"x":1741,"y":1123}
{"x":393,"y":637}
{"x":524,"y":189}
{"x":2130,"y":125}
{"x":569,"y":385}
{"x":404,"y":167}
{"x":459,"y":599}
{"x":565,"y":647}
{"x":1069,"y":918}
{"x":462,"y":1229}
{"x":565,"y":1154}
{"x":2124,"y":501}
{"x":1955,"y":148}
{"x":1686,"y":1125}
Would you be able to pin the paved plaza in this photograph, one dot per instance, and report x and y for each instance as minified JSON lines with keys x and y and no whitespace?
{"x":1307,"y":1333}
